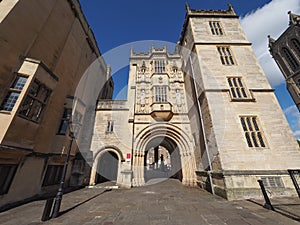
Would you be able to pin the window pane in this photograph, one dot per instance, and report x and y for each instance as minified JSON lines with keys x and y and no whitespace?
{"x":219,"y":50}
{"x":254,"y":139}
{"x":67,"y":113}
{"x":36,"y":111}
{"x":244,"y":92}
{"x":19,"y":83}
{"x":34,"y":88}
{"x":228,"y":52}
{"x":240,"y":82}
{"x":233,"y":93}
{"x":10,"y":101}
{"x":43,"y":94}
{"x":238,"y":92}
{"x":255,"y":124}
{"x":222,"y":60}
{"x":26,"y":106}
{"x":112,"y":126}
{"x":261,"y":141}
{"x":63,"y":127}
{"x":243,"y":124}
{"x":249,"y":124}
{"x":248,"y":139}
{"x":234,"y":82}
{"x":226,"y":60}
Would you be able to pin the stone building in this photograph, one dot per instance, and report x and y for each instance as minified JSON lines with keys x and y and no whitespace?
{"x":208,"y":105}
{"x":46,"y":46}
{"x":286,"y":53}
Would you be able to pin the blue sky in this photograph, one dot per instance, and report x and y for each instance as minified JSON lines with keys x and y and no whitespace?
{"x":115,"y":23}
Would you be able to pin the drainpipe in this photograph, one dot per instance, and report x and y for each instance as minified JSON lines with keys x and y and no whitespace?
{"x":132,"y":140}
{"x":203,"y":130}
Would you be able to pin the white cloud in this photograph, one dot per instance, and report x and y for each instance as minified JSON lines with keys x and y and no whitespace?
{"x":293,"y":114}
{"x":272,"y":19}
{"x":290,"y":110}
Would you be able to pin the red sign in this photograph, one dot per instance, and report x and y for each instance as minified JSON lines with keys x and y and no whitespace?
{"x":128,"y":156}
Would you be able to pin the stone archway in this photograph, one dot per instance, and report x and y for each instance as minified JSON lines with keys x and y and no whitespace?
{"x":101,"y":170}
{"x":172,"y":138}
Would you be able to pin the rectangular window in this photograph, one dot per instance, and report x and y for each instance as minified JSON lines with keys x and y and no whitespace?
{"x":64,"y":121}
{"x":161,"y":94}
{"x":215,"y":28}
{"x":53,"y":175}
{"x":272,"y":182}
{"x":35,"y":102}
{"x":110,"y":126}
{"x":159,"y":66}
{"x":253,"y":133}
{"x":13,"y":93}
{"x":225,"y":55}
{"x":237,"y":88}
{"x":7,"y":174}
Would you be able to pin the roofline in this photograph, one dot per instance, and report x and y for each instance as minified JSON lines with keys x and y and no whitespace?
{"x":90,"y":37}
{"x":229,"y":13}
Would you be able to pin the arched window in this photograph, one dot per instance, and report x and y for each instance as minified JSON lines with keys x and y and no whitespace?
{"x":296,"y":46}
{"x":290,"y":59}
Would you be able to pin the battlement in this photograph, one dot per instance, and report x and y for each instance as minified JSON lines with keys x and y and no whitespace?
{"x":196,"y":12}
{"x":155,"y":51}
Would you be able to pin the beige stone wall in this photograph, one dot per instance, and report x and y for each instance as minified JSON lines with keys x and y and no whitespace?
{"x":221,"y":115}
{"x":119,"y":140}
{"x":54,"y":45}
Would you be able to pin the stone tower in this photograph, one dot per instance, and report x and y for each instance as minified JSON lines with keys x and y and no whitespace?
{"x":246,"y":136}
{"x":286,"y":53}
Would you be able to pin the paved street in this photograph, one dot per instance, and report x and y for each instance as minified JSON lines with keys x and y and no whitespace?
{"x":167,"y":202}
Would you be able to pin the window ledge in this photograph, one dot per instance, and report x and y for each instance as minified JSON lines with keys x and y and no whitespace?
{"x":259,"y":148}
{"x":243,"y":99}
{"x":25,"y":118}
{"x":5,"y":112}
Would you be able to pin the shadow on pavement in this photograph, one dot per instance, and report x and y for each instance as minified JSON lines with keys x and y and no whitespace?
{"x":280,"y":210}
{"x":81,"y":203}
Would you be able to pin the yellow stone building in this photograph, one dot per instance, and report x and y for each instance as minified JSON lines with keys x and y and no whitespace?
{"x":46,"y":46}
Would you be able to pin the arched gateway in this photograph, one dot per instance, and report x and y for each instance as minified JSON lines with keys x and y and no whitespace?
{"x":179,"y":147}
{"x":107,"y":165}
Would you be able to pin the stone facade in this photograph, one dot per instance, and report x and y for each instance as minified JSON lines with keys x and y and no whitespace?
{"x":154,"y":115}
{"x":246,"y":134}
{"x":46,"y":46}
{"x":210,"y":105}
{"x":286,"y":53}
